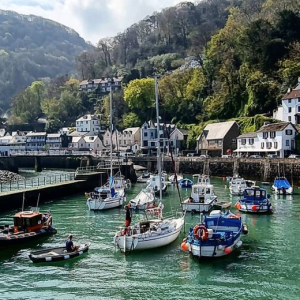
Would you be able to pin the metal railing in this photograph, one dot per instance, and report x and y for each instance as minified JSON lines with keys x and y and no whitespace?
{"x":35,"y":182}
{"x":51,"y":153}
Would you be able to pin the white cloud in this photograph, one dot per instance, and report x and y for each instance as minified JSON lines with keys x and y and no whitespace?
{"x":92,"y":19}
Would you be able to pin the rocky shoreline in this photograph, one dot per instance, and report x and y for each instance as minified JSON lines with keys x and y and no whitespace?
{"x":9,"y":176}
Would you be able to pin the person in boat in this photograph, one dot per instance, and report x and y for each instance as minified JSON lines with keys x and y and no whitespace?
{"x":128,"y":216}
{"x":191,"y":199}
{"x":70,"y":247}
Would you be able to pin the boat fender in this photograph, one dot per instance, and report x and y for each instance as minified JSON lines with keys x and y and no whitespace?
{"x":184,"y":246}
{"x":200,"y":232}
{"x":221,"y":247}
{"x":228,"y":250}
{"x":48,"y":258}
{"x":239,"y":244}
{"x":238,"y":205}
{"x":66,"y":256}
{"x":80,"y":252}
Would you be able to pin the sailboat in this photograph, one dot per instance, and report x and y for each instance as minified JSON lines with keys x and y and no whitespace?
{"x":154,"y":231}
{"x":107,"y":196}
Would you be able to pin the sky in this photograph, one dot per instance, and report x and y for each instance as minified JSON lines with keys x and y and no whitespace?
{"x":92,"y":19}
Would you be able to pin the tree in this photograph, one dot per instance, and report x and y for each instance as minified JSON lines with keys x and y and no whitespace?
{"x":53,"y":125}
{"x":131,"y":120}
{"x":140,"y":94}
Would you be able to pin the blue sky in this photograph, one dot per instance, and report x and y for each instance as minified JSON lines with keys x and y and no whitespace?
{"x":92,"y":19}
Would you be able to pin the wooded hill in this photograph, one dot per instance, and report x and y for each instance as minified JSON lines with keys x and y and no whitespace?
{"x":31,"y":48}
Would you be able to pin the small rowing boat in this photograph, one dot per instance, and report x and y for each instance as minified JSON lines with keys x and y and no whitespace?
{"x":57,"y":254}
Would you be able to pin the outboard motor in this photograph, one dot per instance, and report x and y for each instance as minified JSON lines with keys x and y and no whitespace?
{"x":283,"y":191}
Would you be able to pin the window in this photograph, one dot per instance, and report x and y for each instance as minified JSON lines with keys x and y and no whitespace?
{"x":272,"y":134}
{"x":269,"y":145}
{"x":145,"y":134}
{"x":265,"y":135}
{"x":233,"y":141}
{"x":287,"y":142}
{"x":86,"y":122}
{"x":262,"y":145}
{"x":251,"y":141}
{"x":244,"y":141}
{"x":211,"y":143}
{"x":290,"y":109}
{"x":298,"y":107}
{"x":220,"y":143}
{"x":289,"y":132}
{"x":124,"y":142}
{"x":275,"y":145}
{"x":151,"y":134}
{"x":145,"y":143}
{"x":290,"y":119}
{"x":290,"y":100}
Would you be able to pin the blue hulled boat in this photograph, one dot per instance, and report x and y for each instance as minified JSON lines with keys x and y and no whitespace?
{"x":281,"y":186}
{"x":217,"y":236}
{"x":254,"y":200}
{"x":186,"y":183}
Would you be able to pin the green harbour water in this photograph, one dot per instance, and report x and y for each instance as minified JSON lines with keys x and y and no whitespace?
{"x":267,"y":266}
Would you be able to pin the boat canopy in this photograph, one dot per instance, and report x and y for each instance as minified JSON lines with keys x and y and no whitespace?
{"x":255,"y":193}
{"x":281,"y":182}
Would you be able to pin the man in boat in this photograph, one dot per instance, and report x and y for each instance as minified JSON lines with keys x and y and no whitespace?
{"x":128,"y":216}
{"x":70,"y":245}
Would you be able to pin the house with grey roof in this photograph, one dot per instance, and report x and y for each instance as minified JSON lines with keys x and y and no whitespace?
{"x":178,"y":139}
{"x":102,"y":85}
{"x":274,"y":138}
{"x":218,"y":138}
{"x":36,"y":141}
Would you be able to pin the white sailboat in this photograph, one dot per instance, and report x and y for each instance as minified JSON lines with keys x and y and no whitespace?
{"x":108,"y":196}
{"x":143,"y":200}
{"x":149,"y":233}
{"x":155,"y":231}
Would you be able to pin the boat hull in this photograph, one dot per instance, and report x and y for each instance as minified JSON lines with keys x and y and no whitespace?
{"x":277,"y":191}
{"x":261,"y":209}
{"x":96,"y":204}
{"x":11,"y":239}
{"x":198,"y":207}
{"x":213,"y":251}
{"x":56,"y":254}
{"x":145,"y":242}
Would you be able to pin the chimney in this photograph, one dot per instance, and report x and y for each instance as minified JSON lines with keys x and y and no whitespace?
{"x":289,"y":90}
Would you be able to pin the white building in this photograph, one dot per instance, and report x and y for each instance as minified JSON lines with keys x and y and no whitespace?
{"x":10,"y":144}
{"x":178,"y":139}
{"x":88,"y":123}
{"x":129,"y":139}
{"x":76,"y":143}
{"x":93,"y":143}
{"x":36,"y":141}
{"x":276,"y":138}
{"x":289,"y":111}
{"x":54,"y":141}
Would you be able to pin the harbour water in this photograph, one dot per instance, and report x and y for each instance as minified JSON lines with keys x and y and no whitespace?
{"x":267,"y":266}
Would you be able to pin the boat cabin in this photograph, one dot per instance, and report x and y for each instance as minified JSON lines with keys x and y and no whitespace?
{"x":237,"y":182}
{"x":255,"y":193}
{"x":202,"y":179}
{"x":201,"y":193}
{"x":28,"y":221}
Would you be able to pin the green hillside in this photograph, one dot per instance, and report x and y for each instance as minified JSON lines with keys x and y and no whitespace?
{"x":32,"y":48}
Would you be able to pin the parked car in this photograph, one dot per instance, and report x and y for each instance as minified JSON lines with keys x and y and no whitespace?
{"x":204,"y":156}
{"x":272,"y":156}
{"x":255,"y":156}
{"x":294,"y":156}
{"x":190,"y":154}
{"x":226,"y":156}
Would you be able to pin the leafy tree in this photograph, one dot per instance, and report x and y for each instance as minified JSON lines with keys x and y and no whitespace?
{"x":140,"y":94}
{"x":131,"y":120}
{"x":53,"y":125}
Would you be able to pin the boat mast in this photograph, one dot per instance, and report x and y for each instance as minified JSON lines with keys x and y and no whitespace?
{"x":111,"y":126}
{"x":158,"y":139}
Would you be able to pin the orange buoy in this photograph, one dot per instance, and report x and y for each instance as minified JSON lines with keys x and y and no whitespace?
{"x":184,"y":246}
{"x":238,"y":205}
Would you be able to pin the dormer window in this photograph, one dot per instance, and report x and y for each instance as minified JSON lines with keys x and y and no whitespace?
{"x":289,"y":100}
